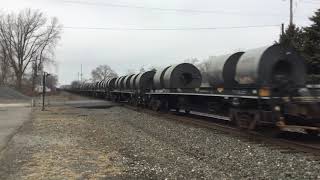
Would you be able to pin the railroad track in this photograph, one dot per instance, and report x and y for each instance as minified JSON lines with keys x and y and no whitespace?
{"x":287,"y":143}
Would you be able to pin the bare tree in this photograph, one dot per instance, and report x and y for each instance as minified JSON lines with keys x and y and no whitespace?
{"x":52,"y":81}
{"x":102,"y":72}
{"x":142,"y":69}
{"x":130,"y":71}
{"x":75,"y":84}
{"x":38,"y":64}
{"x":5,"y":67}
{"x":154,"y":68}
{"x":204,"y":66}
{"x":27,"y":37}
{"x":191,"y":60}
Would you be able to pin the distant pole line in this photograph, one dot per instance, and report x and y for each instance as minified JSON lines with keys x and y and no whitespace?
{"x":171,"y":29}
{"x":166,"y":9}
{"x":311,"y":2}
{"x":291,"y":12}
{"x":81,"y":73}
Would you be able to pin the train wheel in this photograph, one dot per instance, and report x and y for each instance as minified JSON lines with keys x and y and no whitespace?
{"x":113,"y":98}
{"x":134,"y":102}
{"x":246,"y":120}
{"x":156,"y":105}
{"x":118,"y":98}
{"x":165,"y":106}
{"x":232,"y":116}
{"x":150,"y":104}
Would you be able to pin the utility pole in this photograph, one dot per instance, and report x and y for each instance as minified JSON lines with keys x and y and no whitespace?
{"x":291,"y":13}
{"x":81,"y":74}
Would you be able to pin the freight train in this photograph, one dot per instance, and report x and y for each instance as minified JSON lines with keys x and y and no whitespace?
{"x":258,"y":88}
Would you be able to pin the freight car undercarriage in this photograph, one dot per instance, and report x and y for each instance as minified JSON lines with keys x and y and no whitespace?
{"x":246,"y":111}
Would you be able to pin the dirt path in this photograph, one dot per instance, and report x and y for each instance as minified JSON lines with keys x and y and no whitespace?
{"x":12,"y":116}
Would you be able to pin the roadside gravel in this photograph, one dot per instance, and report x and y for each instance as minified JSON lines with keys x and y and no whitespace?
{"x":119,"y":143}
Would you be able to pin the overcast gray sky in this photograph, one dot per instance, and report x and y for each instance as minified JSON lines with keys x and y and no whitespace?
{"x":131,"y":49}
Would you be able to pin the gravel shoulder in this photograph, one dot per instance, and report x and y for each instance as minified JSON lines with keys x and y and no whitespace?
{"x":114,"y":142}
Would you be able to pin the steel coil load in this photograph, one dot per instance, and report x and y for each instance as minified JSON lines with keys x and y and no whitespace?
{"x":86,"y":86}
{"x":133,"y":81}
{"x":96,"y":85}
{"x":144,"y":81}
{"x":89,"y":86}
{"x":111,"y":83}
{"x":117,"y":83}
{"x":92,"y":86}
{"x":269,"y":66}
{"x":99,"y":84}
{"x":220,"y":71}
{"x":103,"y":84}
{"x":158,"y":82}
{"x":127,"y":81}
{"x":183,"y":76}
{"x":83,"y":85}
{"x":122,"y":82}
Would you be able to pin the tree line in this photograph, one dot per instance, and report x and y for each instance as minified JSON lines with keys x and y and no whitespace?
{"x":306,"y":40}
{"x":27,"y":43}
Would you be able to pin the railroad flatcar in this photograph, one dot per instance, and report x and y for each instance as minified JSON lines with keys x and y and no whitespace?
{"x":263,"y":87}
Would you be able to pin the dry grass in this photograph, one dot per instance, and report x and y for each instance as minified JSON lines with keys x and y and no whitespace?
{"x":62,"y":154}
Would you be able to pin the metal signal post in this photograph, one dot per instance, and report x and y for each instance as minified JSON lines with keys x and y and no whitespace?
{"x":45,"y":75}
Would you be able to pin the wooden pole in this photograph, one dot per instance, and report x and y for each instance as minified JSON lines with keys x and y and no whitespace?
{"x":43,"y":89}
{"x":291,"y":13}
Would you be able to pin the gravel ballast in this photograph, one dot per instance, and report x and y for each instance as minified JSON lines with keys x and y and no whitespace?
{"x":116,"y":142}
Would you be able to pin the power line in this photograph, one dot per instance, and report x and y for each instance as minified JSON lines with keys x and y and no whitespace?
{"x":311,"y":2}
{"x":169,"y":29}
{"x":165,"y":9}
